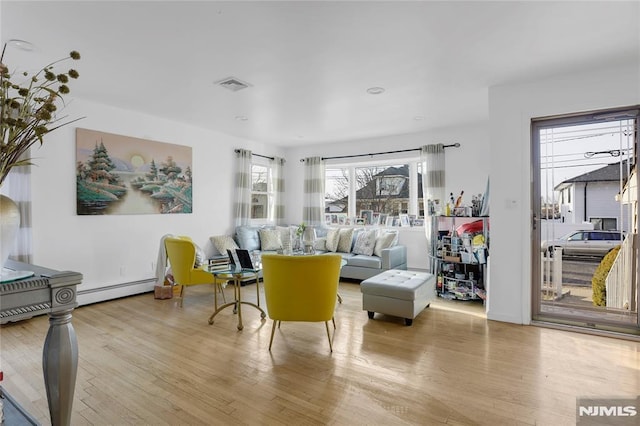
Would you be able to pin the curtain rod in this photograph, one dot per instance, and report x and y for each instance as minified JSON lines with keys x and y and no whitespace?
{"x":453,"y":145}
{"x":257,"y":155}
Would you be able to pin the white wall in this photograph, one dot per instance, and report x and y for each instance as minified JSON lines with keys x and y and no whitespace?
{"x":511,"y":108}
{"x":115,"y":249}
{"x":467,"y":168}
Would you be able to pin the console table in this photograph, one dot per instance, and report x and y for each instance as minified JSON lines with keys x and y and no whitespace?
{"x":54,"y":293}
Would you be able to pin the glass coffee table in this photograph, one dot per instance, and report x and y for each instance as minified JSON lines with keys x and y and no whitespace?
{"x":237,"y":275}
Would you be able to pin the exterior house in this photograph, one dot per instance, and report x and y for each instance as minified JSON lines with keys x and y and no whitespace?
{"x":385,"y":192}
{"x":629,"y":198}
{"x":591,"y":197}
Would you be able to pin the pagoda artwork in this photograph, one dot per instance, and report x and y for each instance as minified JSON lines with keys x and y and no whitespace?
{"x":124,"y":175}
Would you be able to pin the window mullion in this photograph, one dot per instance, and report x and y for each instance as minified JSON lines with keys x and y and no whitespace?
{"x":413,"y":189}
{"x":352,"y":192}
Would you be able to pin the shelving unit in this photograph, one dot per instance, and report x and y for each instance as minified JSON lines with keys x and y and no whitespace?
{"x":459,"y":250}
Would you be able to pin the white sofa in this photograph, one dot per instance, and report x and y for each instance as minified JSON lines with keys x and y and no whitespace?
{"x":358,"y":267}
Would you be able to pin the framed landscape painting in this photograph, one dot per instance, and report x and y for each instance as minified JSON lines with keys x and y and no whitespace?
{"x":118,"y":174}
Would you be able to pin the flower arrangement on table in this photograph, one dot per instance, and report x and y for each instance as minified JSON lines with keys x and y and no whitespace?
{"x":297,"y":242}
{"x":28,"y":109}
{"x":300,"y":230}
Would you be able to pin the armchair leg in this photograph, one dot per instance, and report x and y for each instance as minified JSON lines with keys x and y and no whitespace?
{"x":181,"y":294}
{"x":273,"y":330}
{"x":326,"y":325}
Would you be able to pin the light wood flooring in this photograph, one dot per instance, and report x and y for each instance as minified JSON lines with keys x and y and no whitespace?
{"x":150,"y":362}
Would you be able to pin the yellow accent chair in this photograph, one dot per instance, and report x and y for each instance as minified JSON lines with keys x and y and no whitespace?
{"x":301,"y":288}
{"x":181,"y":251}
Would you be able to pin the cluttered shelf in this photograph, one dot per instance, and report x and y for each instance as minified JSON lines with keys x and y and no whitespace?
{"x":459,"y":251}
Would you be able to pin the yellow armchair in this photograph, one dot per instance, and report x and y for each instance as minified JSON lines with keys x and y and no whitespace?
{"x":181,"y":252}
{"x":301,"y":288}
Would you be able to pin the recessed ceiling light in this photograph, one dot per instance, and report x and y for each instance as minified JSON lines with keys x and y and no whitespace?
{"x":241,"y":118}
{"x":375,"y":90}
{"x":418,"y":118}
{"x":21,"y":44}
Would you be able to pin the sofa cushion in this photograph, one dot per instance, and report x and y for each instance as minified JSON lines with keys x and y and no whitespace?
{"x":365,"y":242}
{"x":223,"y":242}
{"x":345,"y":240}
{"x":384,"y":241}
{"x":270,"y":239}
{"x":333,"y":237}
{"x":320,"y":244}
{"x":248,"y":237}
{"x":321,"y":231}
{"x":364,"y":261}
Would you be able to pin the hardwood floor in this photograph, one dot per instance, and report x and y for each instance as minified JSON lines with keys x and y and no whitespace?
{"x":149,"y":362}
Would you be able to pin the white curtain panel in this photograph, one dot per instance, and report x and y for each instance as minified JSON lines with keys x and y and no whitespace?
{"x":278,"y":211}
{"x":433,"y":191}
{"x":242,"y":205}
{"x":17,"y":186}
{"x":313,"y":201}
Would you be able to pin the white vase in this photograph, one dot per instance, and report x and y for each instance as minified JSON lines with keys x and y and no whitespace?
{"x":9,"y":224}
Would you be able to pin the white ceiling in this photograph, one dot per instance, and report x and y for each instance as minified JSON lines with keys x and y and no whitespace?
{"x":310,"y":63}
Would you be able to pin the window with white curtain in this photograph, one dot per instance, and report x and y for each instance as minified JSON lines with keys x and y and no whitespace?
{"x":262,"y":191}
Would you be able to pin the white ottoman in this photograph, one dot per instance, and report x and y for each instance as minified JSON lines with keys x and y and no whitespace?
{"x":399,"y":293}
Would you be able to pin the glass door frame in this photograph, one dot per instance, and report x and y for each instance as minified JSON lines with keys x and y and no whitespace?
{"x":537,"y":124}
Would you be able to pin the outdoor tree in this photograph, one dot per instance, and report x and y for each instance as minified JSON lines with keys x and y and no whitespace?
{"x":378,"y":188}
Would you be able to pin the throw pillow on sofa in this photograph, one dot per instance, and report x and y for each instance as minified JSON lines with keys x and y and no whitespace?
{"x":248,"y":237}
{"x":224,"y":242}
{"x":333,"y":237}
{"x":270,"y":239}
{"x":320,"y":244}
{"x":345,"y":241}
{"x":384,"y":241}
{"x":365,"y":242}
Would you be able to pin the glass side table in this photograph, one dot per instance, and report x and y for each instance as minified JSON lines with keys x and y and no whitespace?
{"x":237,"y":275}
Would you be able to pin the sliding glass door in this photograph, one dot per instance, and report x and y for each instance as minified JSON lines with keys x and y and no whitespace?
{"x":585,"y":220}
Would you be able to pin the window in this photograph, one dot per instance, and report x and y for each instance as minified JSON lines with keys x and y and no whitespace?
{"x":604,"y":223}
{"x":337,"y":190}
{"x":578,"y":236}
{"x":261,"y":191}
{"x":384,"y":189}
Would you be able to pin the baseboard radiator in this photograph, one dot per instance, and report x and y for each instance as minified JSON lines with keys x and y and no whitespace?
{"x":116,"y":291}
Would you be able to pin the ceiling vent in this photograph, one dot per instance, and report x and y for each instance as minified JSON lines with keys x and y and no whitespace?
{"x":233,"y":84}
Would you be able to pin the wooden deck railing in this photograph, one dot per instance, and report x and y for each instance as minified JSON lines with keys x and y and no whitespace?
{"x":621,"y":280}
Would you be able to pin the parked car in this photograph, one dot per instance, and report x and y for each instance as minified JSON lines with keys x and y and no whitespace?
{"x":585,"y":243}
